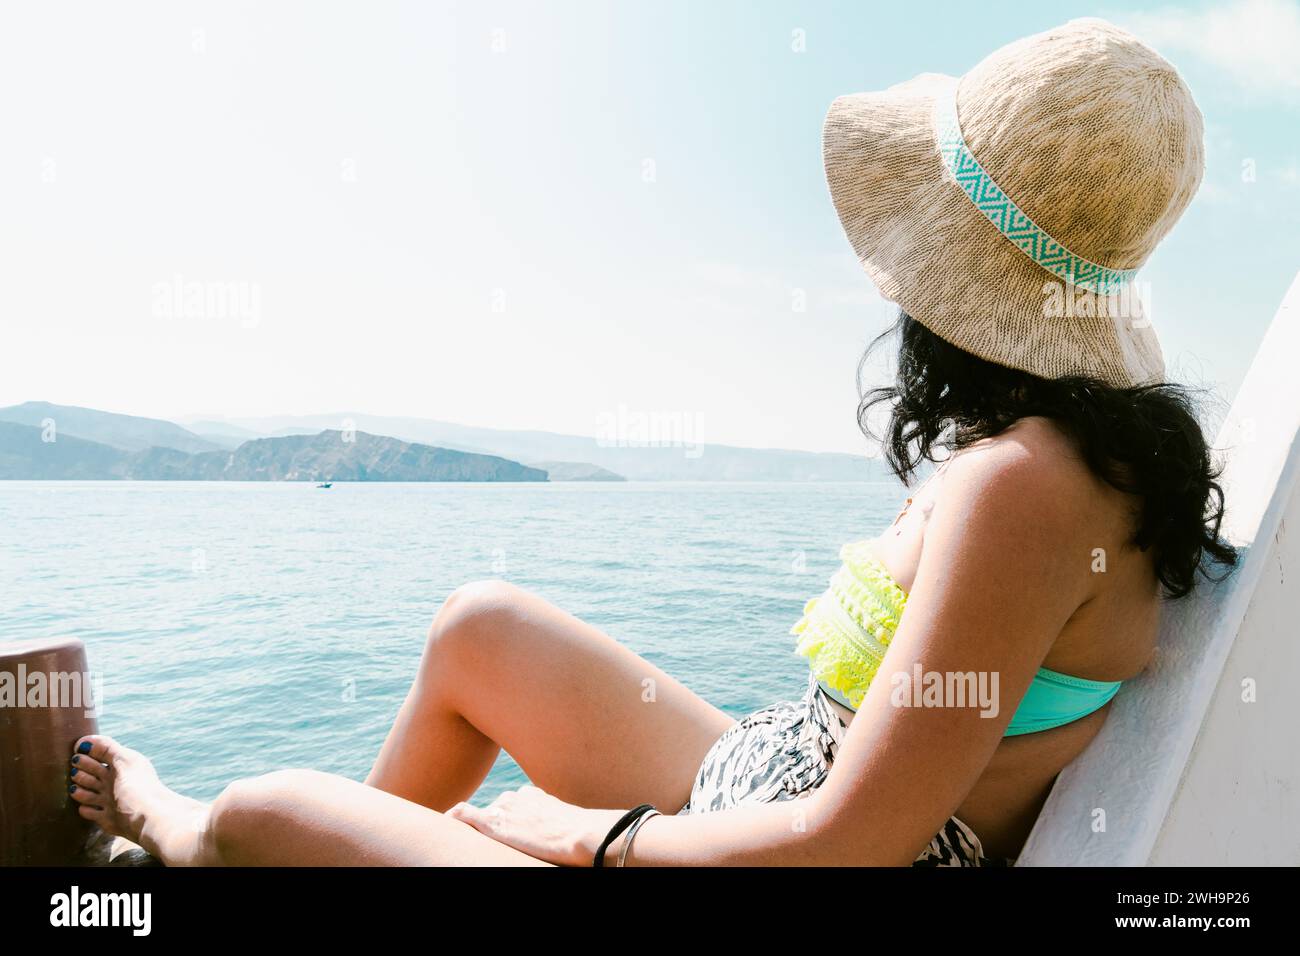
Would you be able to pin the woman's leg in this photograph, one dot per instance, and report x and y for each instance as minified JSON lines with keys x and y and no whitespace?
{"x":288,"y":818}
{"x":586,"y":718}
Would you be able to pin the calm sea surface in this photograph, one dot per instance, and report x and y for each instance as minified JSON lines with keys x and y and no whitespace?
{"x":245,"y":627}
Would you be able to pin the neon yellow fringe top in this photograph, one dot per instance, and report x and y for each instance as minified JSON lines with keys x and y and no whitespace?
{"x":846,"y":631}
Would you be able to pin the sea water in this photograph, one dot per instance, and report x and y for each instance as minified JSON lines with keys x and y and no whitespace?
{"x":242,"y":627}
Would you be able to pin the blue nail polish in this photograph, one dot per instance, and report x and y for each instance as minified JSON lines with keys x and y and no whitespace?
{"x":75,"y":759}
{"x":84,"y":747}
{"x":72,"y":789}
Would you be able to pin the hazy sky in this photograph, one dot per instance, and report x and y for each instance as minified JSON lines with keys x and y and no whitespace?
{"x":528,"y":215}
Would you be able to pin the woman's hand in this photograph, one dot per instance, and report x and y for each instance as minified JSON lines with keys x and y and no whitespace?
{"x":543,"y":826}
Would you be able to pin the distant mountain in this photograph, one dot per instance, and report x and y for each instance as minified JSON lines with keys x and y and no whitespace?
{"x":568,"y":457}
{"x":334,"y":455}
{"x":108,"y":428}
{"x":576,"y":471}
{"x":223,"y":434}
{"x":635,"y":462}
{"x":323,"y":457}
{"x":23,"y":454}
{"x":224,"y":429}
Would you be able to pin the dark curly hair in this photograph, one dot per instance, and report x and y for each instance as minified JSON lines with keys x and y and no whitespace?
{"x":1145,"y":440}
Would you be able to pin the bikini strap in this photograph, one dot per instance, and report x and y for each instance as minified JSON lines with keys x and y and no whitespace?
{"x":921,"y":487}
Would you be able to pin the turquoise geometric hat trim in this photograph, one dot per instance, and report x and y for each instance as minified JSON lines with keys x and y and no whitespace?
{"x":1009,"y":218}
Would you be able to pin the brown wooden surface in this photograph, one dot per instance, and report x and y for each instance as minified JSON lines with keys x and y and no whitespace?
{"x":39,"y":824}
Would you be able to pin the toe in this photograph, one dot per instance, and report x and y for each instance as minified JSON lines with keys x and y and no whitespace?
{"x":83,"y":763}
{"x":101,"y":748}
{"x":82,"y":795}
{"x":87,"y":812}
{"x":84,"y":781}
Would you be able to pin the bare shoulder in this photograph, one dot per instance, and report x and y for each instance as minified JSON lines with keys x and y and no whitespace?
{"x":1033,"y":468}
{"x":1022,"y":506}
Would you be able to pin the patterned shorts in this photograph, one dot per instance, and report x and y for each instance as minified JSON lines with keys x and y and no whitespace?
{"x":784,"y":752}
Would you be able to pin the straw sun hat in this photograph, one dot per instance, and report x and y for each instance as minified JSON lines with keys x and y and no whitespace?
{"x":1009,"y":210}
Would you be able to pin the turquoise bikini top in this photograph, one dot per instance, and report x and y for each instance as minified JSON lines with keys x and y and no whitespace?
{"x":845,"y":632}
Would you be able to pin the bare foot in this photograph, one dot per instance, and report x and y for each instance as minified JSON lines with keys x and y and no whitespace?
{"x":118,"y":789}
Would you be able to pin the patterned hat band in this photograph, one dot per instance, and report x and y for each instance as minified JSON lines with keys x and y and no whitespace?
{"x":1009,"y":218}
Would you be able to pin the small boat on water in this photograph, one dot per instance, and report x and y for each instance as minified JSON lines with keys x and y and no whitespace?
{"x":326,"y":484}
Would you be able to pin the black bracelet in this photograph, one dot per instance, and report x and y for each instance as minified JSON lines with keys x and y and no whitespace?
{"x":625,"y":821}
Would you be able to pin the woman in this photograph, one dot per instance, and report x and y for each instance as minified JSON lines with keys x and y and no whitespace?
{"x":960,"y":660}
